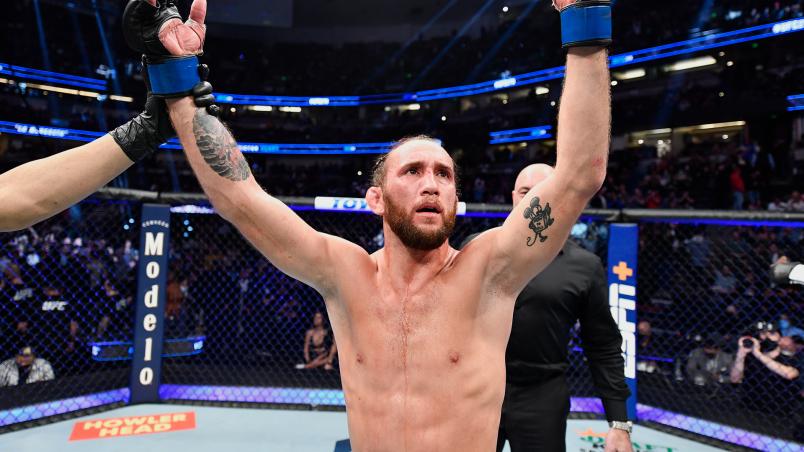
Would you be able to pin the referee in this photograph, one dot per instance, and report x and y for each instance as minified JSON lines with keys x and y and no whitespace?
{"x":537,"y":399}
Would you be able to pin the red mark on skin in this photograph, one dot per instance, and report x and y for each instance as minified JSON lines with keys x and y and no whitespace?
{"x":359,"y":358}
{"x":454,"y":357}
{"x":599,"y":163}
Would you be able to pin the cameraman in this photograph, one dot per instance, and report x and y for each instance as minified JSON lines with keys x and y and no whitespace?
{"x":768,"y":376}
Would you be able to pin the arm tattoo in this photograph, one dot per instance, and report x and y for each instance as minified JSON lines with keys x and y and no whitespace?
{"x":540,"y":220}
{"x":218,"y":148}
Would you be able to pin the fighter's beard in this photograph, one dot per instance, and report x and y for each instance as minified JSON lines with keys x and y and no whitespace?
{"x":413,"y":236}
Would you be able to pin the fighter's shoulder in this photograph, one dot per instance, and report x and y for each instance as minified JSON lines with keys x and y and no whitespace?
{"x":341,"y":248}
{"x":476,"y":252}
{"x":477,"y":241}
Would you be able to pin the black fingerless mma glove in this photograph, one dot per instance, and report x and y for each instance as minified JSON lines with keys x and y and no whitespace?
{"x":142,"y":135}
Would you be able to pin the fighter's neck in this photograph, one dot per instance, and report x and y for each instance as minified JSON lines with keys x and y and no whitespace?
{"x":406,"y":265}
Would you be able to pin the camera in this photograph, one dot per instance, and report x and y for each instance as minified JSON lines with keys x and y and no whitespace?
{"x":748,"y":343}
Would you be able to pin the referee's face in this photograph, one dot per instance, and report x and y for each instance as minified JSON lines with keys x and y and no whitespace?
{"x":528,"y":178}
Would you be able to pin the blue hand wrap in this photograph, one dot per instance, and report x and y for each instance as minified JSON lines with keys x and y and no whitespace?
{"x":586,"y":25}
{"x":174,"y":77}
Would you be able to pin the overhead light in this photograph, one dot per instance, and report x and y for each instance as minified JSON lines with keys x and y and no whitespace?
{"x":614,"y":83}
{"x":641,"y":141}
{"x":505,"y":9}
{"x":692,"y":63}
{"x":553,"y":103}
{"x":730,"y":63}
{"x":725,"y":137}
{"x":290,"y":109}
{"x":443,"y":119}
{"x":319,"y":101}
{"x":121,"y":98}
{"x":645,"y":133}
{"x":413,"y":107}
{"x":657,"y":131}
{"x":540,"y":90}
{"x":55,"y":89}
{"x":720,"y":125}
{"x":233,"y":110}
{"x":261,"y":108}
{"x":629,"y":75}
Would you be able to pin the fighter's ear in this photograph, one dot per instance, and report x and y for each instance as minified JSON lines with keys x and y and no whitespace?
{"x":375,"y":200}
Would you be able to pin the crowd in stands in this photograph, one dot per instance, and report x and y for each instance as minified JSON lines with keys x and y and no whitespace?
{"x":307,"y":68}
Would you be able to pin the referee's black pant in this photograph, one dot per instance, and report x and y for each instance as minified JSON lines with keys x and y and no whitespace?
{"x":534,"y":417}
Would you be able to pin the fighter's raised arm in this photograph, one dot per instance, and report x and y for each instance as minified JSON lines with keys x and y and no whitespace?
{"x":537,"y":228}
{"x":37,"y":190}
{"x":272,"y":227}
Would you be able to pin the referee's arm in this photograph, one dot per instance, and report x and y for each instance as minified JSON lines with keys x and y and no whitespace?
{"x":602,"y":345}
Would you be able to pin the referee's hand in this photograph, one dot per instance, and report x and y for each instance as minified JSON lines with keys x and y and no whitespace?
{"x":618,"y":441}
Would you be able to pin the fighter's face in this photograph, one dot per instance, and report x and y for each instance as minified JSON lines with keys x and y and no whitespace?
{"x":420,"y":194}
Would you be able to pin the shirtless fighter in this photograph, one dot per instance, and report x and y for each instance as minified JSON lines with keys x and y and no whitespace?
{"x":421,"y":328}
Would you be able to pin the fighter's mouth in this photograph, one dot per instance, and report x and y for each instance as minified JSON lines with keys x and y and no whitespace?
{"x":429,"y":208}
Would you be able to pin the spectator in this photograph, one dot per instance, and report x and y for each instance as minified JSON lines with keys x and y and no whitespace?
{"x":177,"y":289}
{"x":25,"y":368}
{"x":317,"y":349}
{"x":787,"y":328}
{"x":73,"y":354}
{"x":768,"y":377}
{"x":725,"y":282}
{"x":796,"y":202}
{"x":708,"y":365}
{"x":737,"y":188}
{"x":646,"y":348}
{"x":114,"y":310}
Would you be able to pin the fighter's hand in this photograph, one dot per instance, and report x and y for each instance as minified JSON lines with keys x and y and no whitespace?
{"x":185,"y":38}
{"x":561,"y":4}
{"x":618,"y":440}
{"x":155,"y":28}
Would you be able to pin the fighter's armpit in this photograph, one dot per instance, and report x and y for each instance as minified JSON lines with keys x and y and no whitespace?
{"x":219,"y":148}
{"x":539,"y":220}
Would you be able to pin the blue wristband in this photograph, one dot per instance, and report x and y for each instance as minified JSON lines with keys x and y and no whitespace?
{"x":174,"y":77}
{"x":586,"y":25}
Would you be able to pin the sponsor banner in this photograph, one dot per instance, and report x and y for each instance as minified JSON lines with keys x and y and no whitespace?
{"x":132,"y":426}
{"x":356,"y":205}
{"x":622,"y":271}
{"x":151,"y":300}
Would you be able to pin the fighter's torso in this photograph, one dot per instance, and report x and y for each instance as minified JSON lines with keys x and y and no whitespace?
{"x":422,"y":367}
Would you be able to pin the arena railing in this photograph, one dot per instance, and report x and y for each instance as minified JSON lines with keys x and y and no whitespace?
{"x":232,"y":326}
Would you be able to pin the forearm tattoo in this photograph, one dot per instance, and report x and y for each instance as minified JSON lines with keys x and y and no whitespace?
{"x":219,"y":148}
{"x":540,"y":220}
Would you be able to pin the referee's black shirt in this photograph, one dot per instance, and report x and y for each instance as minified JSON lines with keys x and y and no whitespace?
{"x":572,"y":288}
